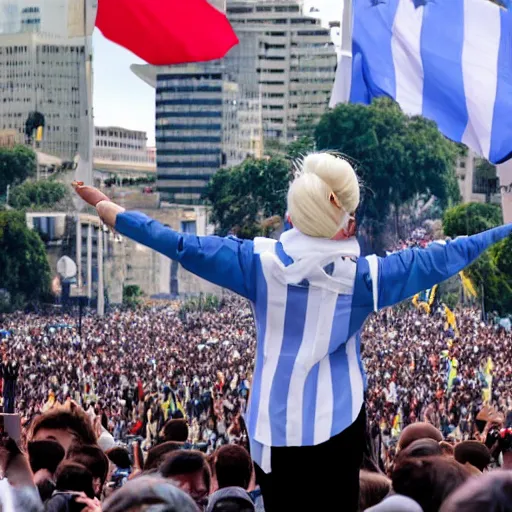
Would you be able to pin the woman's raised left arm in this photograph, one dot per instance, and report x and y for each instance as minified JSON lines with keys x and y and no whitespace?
{"x":403,"y":274}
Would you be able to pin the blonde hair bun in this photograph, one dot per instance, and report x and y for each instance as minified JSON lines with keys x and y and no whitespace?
{"x":310,"y":197}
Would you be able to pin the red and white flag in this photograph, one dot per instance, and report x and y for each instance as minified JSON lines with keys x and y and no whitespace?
{"x":165,"y":32}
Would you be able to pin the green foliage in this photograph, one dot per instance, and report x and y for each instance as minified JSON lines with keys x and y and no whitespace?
{"x":208,"y":303}
{"x":471,"y":218}
{"x":451,"y":299}
{"x":300,"y":148}
{"x":492,"y":272}
{"x":485,"y":170}
{"x":132,"y":296}
{"x":306,"y":124}
{"x":243,"y":196}
{"x":24,"y":269}
{"x":16,"y":165}
{"x":37,"y":194}
{"x":397,"y":158}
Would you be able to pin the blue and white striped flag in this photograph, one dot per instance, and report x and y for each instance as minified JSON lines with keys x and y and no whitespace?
{"x":448,"y":60}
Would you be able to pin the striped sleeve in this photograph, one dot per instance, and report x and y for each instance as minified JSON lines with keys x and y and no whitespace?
{"x":226,"y":262}
{"x":403,"y":274}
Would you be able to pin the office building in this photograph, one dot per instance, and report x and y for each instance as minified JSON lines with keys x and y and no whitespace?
{"x":198,"y":116}
{"x":42,"y":74}
{"x":31,"y":19}
{"x":120,"y":145}
{"x":286,"y":56}
{"x":9,"y":18}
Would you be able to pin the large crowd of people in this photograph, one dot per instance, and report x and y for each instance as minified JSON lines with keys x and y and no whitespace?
{"x":152,"y":381}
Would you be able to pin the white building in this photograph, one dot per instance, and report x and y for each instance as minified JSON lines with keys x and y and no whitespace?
{"x":121,"y":145}
{"x":286,"y":56}
{"x":473,"y":188}
{"x":30,"y":19}
{"x":44,"y":74}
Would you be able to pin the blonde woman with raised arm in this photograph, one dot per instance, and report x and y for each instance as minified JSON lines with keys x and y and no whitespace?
{"x":311,"y":292}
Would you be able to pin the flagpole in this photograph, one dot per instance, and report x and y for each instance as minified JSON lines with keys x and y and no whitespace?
{"x":343,"y":80}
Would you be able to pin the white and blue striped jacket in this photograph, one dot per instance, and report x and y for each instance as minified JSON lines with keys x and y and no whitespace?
{"x":310,"y":298}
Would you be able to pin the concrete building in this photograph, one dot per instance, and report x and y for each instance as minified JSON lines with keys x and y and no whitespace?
{"x":120,"y":145}
{"x":30,"y":19}
{"x":198,"y":116}
{"x":286,"y":56}
{"x":10,"y":18}
{"x":475,"y":189}
{"x":44,"y":74}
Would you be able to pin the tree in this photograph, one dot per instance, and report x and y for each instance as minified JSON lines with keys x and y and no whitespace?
{"x":24,"y":269}
{"x":244,"y":195}
{"x":397,"y":158}
{"x":471,"y":218}
{"x":44,"y":194}
{"x":492,"y":272}
{"x":132,"y":296}
{"x":300,"y":148}
{"x":16,"y":165}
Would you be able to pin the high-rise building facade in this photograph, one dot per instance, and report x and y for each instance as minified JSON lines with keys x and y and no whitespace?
{"x":198,"y":116}
{"x":286,"y":56}
{"x":43,"y":74}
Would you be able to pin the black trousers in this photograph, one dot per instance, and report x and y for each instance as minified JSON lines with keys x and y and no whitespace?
{"x":317,"y":478}
{"x":9,"y":396}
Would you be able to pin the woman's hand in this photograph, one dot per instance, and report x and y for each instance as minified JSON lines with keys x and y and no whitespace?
{"x":90,"y":195}
{"x":108,"y":212}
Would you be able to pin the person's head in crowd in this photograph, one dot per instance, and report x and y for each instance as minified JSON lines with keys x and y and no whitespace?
{"x":94,"y":460}
{"x":149,"y":494}
{"x":230,"y":499}
{"x":175,"y":430}
{"x":66,"y":426}
{"x":429,"y":480}
{"x":417,"y":431}
{"x":190,"y":470}
{"x":120,"y":457}
{"x":158,"y":453}
{"x":45,"y":457}
{"x":420,"y":448}
{"x":374,"y":487}
{"x":74,"y":477}
{"x":447,"y":449}
{"x":233,"y":467}
{"x":491,"y":492}
{"x":474,"y":453}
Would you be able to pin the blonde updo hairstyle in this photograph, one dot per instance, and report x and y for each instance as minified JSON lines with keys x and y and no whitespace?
{"x":323,"y":195}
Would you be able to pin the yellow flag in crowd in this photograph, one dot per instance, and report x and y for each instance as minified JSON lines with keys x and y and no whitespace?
{"x":467,"y":284}
{"x":39,"y":134}
{"x":397,"y":422}
{"x":454,"y":364}
{"x":487,"y":391}
{"x":451,"y":320}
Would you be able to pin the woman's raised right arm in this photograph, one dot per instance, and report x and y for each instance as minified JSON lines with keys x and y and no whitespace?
{"x":226,"y":262}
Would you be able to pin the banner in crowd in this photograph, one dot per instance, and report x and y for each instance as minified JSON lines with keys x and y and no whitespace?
{"x":487,"y":374}
{"x":425,"y":299}
{"x":448,"y":60}
{"x":451,"y":321}
{"x":467,"y":285}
